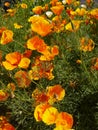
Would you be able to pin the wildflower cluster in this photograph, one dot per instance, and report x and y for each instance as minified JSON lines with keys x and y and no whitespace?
{"x":46,"y":48}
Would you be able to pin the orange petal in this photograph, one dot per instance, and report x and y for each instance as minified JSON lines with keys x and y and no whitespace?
{"x":24,"y":63}
{"x":7,"y":36}
{"x":8,"y":66}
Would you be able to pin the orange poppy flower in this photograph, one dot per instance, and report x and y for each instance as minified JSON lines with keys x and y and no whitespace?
{"x":4,"y":124}
{"x":3,"y":95}
{"x":49,"y":53}
{"x":11,"y":12}
{"x":57,"y":9}
{"x":22,"y":79}
{"x":53,"y":2}
{"x":49,"y":116}
{"x":39,"y":111}
{"x":24,"y":6}
{"x":69,"y":1}
{"x":37,"y":9}
{"x":7,"y":36}
{"x":27,"y":53}
{"x":1,"y":30}
{"x":24,"y":63}
{"x":95,"y":64}
{"x":36,"y":43}
{"x":56,"y":92}
{"x":12,"y":60}
{"x":64,"y":119}
{"x":41,"y":69}
{"x":8,"y":126}
{"x":86,"y":44}
{"x":40,"y":25}
{"x":39,"y":96}
{"x":7,"y":4}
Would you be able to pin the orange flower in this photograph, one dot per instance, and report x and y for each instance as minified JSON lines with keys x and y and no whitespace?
{"x":53,"y":2}
{"x":4,"y":125}
{"x":11,"y":12}
{"x":37,"y":9}
{"x":57,"y":9}
{"x":40,"y":25}
{"x":69,"y":1}
{"x":39,"y":111}
{"x":24,"y":63}
{"x":1,"y":30}
{"x":49,"y":53}
{"x":86,"y":44}
{"x":55,"y":92}
{"x":12,"y":60}
{"x":22,"y":79}
{"x":36,"y":43}
{"x":64,"y":119}
{"x":7,"y":4}
{"x":39,"y":96}
{"x":95,"y":66}
{"x":24,"y":6}
{"x":49,"y":116}
{"x":41,"y":69}
{"x":7,"y":36}
{"x":8,"y":126}
{"x":27,"y":53}
{"x":3,"y":95}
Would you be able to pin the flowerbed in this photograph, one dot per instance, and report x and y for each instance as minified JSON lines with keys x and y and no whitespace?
{"x":49,"y":65}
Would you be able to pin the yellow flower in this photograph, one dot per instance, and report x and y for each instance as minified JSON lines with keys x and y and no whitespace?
{"x":17,"y":26}
{"x":81,"y":11}
{"x":50,"y":115}
{"x":73,"y":25}
{"x":39,"y":111}
{"x":23,"y":5}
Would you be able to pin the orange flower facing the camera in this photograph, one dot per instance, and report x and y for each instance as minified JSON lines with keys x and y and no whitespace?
{"x":40,"y":25}
{"x":55,"y":92}
{"x":64,"y":120}
{"x":39,"y":111}
{"x":50,"y":115}
{"x":7,"y":36}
